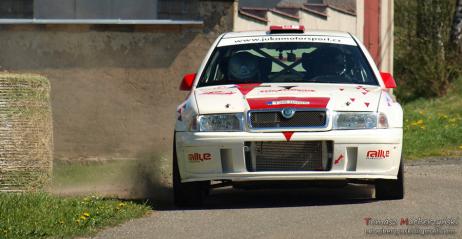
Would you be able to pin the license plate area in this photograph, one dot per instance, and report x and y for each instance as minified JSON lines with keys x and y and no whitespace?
{"x":289,"y":156}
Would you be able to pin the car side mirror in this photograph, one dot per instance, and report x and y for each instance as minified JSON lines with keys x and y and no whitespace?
{"x":187,"y":83}
{"x":388,"y":80}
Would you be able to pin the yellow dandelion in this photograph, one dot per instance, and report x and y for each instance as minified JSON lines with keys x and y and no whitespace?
{"x":460,"y":146}
{"x":121,"y":204}
{"x":86,"y":214}
{"x":83,"y":218}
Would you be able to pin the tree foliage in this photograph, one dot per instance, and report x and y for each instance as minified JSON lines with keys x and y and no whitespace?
{"x":426,"y":61}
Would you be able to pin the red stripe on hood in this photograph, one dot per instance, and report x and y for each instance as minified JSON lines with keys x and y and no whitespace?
{"x":246,"y":88}
{"x":287,"y":135}
{"x":284,"y":102}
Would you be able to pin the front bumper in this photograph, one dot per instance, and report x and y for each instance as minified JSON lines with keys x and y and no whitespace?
{"x":356,"y":154}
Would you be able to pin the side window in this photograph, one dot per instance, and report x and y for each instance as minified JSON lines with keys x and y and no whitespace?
{"x":211,"y":69}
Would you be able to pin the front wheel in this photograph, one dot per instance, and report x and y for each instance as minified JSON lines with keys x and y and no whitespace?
{"x":190,"y":194}
{"x":387,"y":189}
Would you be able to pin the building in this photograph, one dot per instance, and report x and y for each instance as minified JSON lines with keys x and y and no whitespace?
{"x":115,"y":65}
{"x":370,"y":20}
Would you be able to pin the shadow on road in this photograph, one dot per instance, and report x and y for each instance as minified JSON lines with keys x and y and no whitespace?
{"x":229,"y":198}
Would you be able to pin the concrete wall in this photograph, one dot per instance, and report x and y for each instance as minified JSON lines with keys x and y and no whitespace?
{"x":277,"y":19}
{"x":339,"y":21}
{"x":335,"y":21}
{"x":244,"y":23}
{"x":386,"y":35}
{"x":90,"y":9}
{"x":360,"y":19}
{"x":114,"y":89}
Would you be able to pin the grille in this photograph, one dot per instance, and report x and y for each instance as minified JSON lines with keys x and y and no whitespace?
{"x":275,"y":119}
{"x":291,"y":156}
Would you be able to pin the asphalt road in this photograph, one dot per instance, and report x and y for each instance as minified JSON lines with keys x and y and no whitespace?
{"x":433,"y":191}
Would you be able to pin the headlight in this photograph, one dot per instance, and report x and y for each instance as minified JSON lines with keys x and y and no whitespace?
{"x":360,"y":120}
{"x":220,"y":122}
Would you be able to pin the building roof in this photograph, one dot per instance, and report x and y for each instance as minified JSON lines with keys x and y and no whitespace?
{"x":291,"y":9}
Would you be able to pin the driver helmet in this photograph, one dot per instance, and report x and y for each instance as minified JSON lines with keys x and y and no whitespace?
{"x":330,"y":61}
{"x":242,"y":66}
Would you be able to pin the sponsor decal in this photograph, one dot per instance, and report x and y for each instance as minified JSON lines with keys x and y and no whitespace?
{"x":197,"y":157}
{"x":378,"y":154}
{"x":217,"y":92}
{"x":352,"y":99}
{"x":286,"y":90}
{"x":283,"y":38}
{"x":362,"y":89}
{"x":367,"y":104}
{"x":288,"y":135}
{"x":180,"y":118}
{"x":287,"y":102}
{"x":181,"y":110}
{"x":389,"y":100}
{"x":337,"y":161}
{"x":341,"y":89}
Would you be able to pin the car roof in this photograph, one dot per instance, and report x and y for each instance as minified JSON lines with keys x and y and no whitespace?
{"x":266,"y":33}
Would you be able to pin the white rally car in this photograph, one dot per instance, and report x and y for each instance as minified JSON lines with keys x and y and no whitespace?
{"x":287,"y":105}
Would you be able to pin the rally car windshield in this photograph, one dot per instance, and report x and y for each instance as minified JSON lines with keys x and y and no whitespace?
{"x":282,"y":62}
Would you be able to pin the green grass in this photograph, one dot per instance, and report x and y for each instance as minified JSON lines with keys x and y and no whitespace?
{"x":433,"y":127}
{"x":39,"y":215}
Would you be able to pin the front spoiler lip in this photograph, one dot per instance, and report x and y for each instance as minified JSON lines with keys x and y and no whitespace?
{"x":263,"y":176}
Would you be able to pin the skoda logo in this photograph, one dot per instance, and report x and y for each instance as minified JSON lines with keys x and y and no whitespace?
{"x":288,"y":113}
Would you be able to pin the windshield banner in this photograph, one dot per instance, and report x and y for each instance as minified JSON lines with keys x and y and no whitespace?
{"x":287,"y":38}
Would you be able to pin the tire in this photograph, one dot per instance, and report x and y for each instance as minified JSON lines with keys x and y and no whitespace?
{"x":386,"y":189}
{"x":190,"y":194}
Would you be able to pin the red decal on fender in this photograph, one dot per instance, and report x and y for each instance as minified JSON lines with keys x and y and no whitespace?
{"x":352,"y":99}
{"x":283,"y":102}
{"x":197,"y":157}
{"x":378,"y":154}
{"x":339,"y":158}
{"x":246,"y":88}
{"x":288,"y":135}
{"x":367,"y":104}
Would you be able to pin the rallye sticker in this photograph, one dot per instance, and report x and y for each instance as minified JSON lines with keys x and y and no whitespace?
{"x":287,"y":38}
{"x":198,"y":157}
{"x":378,"y":154}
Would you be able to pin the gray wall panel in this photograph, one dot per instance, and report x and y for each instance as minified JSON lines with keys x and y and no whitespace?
{"x":135,"y":9}
{"x":53,"y":9}
{"x":95,"y":9}
{"x":91,"y":9}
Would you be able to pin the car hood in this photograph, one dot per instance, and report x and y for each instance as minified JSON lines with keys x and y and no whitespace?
{"x":244,"y":97}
